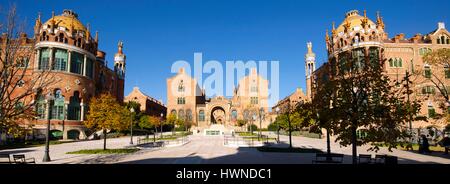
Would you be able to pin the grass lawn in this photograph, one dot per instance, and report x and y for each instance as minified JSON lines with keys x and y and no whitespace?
{"x":432,"y":148}
{"x":246,"y":134}
{"x":289,"y":150}
{"x":101,"y":151}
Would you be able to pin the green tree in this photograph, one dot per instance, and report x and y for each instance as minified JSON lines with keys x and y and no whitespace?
{"x":366,"y":101}
{"x":105,"y":113}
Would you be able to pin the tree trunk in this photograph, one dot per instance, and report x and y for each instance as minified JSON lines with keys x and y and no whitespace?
{"x":354,"y":145}
{"x":104,"y":139}
{"x":328,"y":145}
{"x":290,"y":134}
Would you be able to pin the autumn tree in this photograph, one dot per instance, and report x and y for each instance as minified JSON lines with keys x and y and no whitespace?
{"x":440,"y":59}
{"x":106,"y":114}
{"x":171,"y":120}
{"x":20,"y":82}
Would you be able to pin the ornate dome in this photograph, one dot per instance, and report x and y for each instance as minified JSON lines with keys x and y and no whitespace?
{"x":68,"y":19}
{"x":353,"y":19}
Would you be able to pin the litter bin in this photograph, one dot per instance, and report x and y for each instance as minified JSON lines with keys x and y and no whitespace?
{"x":391,"y":160}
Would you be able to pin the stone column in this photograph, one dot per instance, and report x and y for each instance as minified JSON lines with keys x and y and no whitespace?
{"x":84,"y":65}
{"x":69,"y":60}
{"x":50,"y":63}
{"x":82,"y":112}
{"x":36,"y":60}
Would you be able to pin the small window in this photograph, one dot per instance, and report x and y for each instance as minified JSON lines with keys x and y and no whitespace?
{"x":431,"y":112}
{"x":428,"y":90}
{"x":21,"y":83}
{"x":447,"y":72}
{"x":427,"y":72}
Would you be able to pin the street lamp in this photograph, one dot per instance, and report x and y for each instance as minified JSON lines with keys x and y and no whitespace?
{"x":251,"y":126}
{"x":261,"y":116}
{"x":131,"y":127}
{"x":278,"y":125}
{"x":160,"y":124}
{"x":50,"y":98}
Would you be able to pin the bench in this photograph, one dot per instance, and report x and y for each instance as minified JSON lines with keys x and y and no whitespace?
{"x":364,"y":159}
{"x":380,"y":159}
{"x":329,"y":158}
{"x":20,"y":159}
{"x":5,"y":159}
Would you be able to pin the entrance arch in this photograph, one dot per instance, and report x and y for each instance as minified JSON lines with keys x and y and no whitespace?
{"x":73,"y":134}
{"x":218,"y":115}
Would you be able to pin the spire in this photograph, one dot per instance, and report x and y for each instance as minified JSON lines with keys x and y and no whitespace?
{"x":88,"y":32}
{"x":365,"y":20}
{"x":38,"y":24}
{"x":333,"y":31}
{"x":120,"y":46}
{"x":309,"y":45}
{"x":96,"y":36}
{"x":347,"y":25}
{"x":327,"y":38}
{"x":380,"y":22}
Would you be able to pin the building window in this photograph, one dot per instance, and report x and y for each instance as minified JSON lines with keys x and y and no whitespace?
{"x":427,"y":71}
{"x":44,"y":60}
{"x":77,"y":63}
{"x":89,"y":68}
{"x":234,"y":115}
{"x":174,"y":112}
{"x":181,"y":87}
{"x":40,"y":106}
{"x":254,"y":89}
{"x":423,"y":51}
{"x":428,"y":90}
{"x":74,"y":111}
{"x":181,"y":100}
{"x":447,"y":72}
{"x":395,"y":62}
{"x":189,"y":115}
{"x":201,"y":115}
{"x":22,"y":62}
{"x":58,"y":106}
{"x":181,"y":114}
{"x":254,"y":100}
{"x":60,"y":60}
{"x":431,"y":112}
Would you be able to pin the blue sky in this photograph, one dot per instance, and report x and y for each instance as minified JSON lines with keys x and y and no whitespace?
{"x":157,"y":33}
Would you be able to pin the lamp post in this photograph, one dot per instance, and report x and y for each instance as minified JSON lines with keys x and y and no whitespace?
{"x":278,"y":125}
{"x":160,"y":124}
{"x":131,"y":125}
{"x":261,"y":116}
{"x":50,"y":98}
{"x":251,"y":126}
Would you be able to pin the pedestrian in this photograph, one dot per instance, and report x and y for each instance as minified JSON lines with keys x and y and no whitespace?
{"x":424,"y":147}
{"x":445,"y":142}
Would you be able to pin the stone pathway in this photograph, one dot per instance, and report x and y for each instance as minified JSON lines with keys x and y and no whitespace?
{"x":209,"y":150}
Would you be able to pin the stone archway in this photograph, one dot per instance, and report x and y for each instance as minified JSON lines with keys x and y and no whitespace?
{"x":218,"y":115}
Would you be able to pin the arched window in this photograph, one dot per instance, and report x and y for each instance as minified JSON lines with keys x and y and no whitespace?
{"x":60,"y":37}
{"x":443,"y":39}
{"x":78,"y":43}
{"x":174,"y":112}
{"x":246,"y":115}
{"x":447,"y":72}
{"x":74,"y":107}
{"x":189,"y":115}
{"x":60,"y":60}
{"x":181,"y":87}
{"x":234,"y":115}
{"x":201,"y":115}
{"x":58,"y":105}
{"x":181,"y":114}
{"x":40,"y":105}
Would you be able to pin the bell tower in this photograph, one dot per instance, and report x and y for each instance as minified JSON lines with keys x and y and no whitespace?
{"x":310,"y":66}
{"x":119,"y":61}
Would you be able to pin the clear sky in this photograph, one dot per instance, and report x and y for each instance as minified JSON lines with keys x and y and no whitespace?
{"x":156,"y":33}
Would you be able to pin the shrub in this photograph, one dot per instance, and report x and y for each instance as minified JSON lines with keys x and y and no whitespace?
{"x":252,"y":127}
{"x":272,"y":127}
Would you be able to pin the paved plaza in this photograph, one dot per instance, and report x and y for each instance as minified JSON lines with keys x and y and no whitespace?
{"x":209,"y":150}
